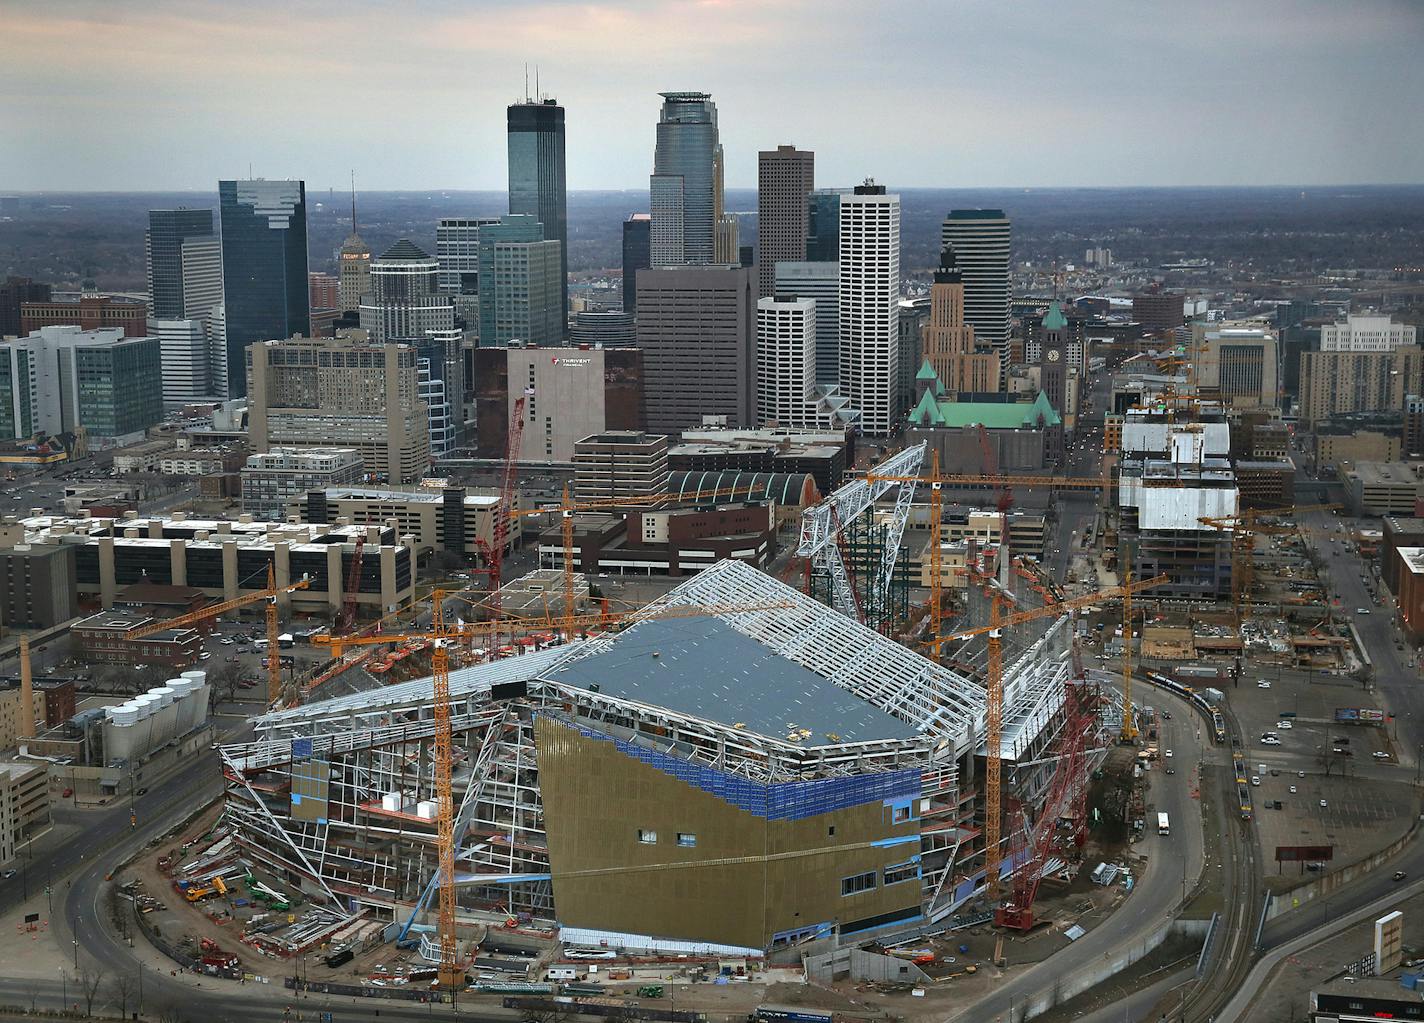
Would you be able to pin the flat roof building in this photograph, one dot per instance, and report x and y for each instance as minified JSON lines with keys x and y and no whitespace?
{"x":337,"y":393}
{"x":270,"y":480}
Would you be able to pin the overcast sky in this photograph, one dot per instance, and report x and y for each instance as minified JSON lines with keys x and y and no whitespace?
{"x":175,"y":94}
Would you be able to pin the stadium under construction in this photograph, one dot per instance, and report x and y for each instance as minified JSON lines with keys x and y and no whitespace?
{"x":715,"y":779}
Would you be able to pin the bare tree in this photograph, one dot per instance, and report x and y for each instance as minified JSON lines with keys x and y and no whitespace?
{"x":32,"y":989}
{"x":224,"y":680}
{"x":123,"y":987}
{"x":89,"y":981}
{"x":172,"y":1014}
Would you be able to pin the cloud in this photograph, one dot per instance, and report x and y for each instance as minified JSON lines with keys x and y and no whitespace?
{"x":174,"y":94}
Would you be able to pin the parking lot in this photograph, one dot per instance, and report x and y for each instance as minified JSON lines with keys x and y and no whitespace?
{"x":1368,"y":801}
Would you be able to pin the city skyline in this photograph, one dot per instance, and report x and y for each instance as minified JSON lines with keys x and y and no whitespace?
{"x":974,"y":95}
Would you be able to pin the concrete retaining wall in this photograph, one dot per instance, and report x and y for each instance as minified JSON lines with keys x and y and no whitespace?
{"x":1328,"y":882}
{"x":861,"y":965}
{"x":1067,"y":987}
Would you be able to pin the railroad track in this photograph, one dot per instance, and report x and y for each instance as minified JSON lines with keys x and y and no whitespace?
{"x":1234,"y":951}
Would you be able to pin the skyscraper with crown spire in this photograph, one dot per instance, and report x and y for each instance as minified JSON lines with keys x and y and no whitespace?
{"x":949,"y":341}
{"x":355,"y":263}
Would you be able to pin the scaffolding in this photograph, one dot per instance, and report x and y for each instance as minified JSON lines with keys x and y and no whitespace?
{"x":339,"y":797}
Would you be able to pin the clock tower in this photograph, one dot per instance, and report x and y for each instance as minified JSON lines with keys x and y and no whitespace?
{"x":1053,"y":372}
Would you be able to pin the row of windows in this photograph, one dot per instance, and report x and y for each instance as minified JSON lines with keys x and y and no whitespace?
{"x":686,"y":839}
{"x":892,"y":874}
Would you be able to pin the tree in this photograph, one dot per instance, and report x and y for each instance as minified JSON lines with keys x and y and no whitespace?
{"x":172,"y":1014}
{"x":224,"y":679}
{"x":89,"y":981}
{"x":123,"y":988}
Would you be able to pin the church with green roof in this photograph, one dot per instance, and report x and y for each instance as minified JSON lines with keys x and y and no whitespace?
{"x":1027,"y":435}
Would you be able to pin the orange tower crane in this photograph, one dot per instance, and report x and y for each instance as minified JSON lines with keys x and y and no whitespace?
{"x":994,"y":702}
{"x":450,"y":973}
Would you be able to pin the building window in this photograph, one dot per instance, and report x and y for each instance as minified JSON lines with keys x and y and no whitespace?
{"x":831,"y":831}
{"x":858,"y":883}
{"x":687,"y":840}
{"x":897,"y":872}
{"x":901,"y":814}
{"x":647,"y":837}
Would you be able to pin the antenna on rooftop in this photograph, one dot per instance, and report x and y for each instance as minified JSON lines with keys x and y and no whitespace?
{"x":353,"y":201}
{"x":526,"y":81}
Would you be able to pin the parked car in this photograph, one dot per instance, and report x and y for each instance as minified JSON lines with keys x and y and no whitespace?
{"x":1284,"y":724}
{"x":1400,"y":875}
{"x":1323,"y":804}
{"x":1292,"y":790}
{"x":1263,"y":683}
{"x":1270,"y":740}
{"x":1380,"y":755}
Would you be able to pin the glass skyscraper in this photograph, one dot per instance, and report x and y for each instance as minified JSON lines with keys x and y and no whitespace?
{"x":169,"y":231}
{"x":264,"y":256}
{"x":683,"y":186}
{"x":519,"y":284}
{"x":636,"y":256}
{"x":536,"y":175}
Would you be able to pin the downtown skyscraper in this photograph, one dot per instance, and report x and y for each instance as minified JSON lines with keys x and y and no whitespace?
{"x":869,"y":306}
{"x":536,"y":176}
{"x":183,"y":264}
{"x":684,"y":186}
{"x":264,"y":254}
{"x":980,"y":240}
{"x":785,"y":178}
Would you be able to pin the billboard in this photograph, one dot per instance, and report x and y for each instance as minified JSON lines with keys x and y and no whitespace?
{"x":1358,"y":716}
{"x":1304,"y":853}
{"x":1389,"y":933}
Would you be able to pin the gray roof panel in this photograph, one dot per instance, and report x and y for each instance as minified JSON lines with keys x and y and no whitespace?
{"x":703,"y":667}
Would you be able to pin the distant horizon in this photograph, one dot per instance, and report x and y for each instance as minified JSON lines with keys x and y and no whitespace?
{"x":345,"y":189}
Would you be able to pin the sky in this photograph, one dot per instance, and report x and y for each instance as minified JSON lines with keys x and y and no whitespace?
{"x":175,"y":94}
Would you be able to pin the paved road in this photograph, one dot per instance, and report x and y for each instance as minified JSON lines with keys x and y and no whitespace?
{"x":1239,"y":1006}
{"x":1173,"y":862}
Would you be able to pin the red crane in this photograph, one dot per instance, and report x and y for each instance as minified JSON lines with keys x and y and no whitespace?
{"x":503,"y":512}
{"x":346,"y":617}
{"x":1061,"y":823}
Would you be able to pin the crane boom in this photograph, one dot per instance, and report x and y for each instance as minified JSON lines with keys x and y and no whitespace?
{"x":1061,"y":607}
{"x":214,"y":610}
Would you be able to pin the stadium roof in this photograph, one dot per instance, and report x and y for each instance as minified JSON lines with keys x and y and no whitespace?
{"x":704,"y":668}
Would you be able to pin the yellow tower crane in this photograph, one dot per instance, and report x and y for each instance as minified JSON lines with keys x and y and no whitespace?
{"x":450,"y":973}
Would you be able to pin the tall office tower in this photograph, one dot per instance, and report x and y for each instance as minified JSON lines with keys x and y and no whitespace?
{"x":949,"y":341}
{"x":637,"y":255}
{"x":823,"y":225}
{"x":13,"y":293}
{"x":183,"y":263}
{"x":439,"y":412}
{"x":404,"y":303}
{"x":870,"y":306}
{"x":536,"y":176}
{"x":683,"y":187}
{"x":785,"y":177}
{"x":457,"y":247}
{"x":264,"y":256}
{"x":980,"y":239}
{"x":820,"y":281}
{"x":183,"y":354}
{"x":355,"y":264}
{"x":63,"y":377}
{"x":340,"y":392}
{"x":696,"y":326}
{"x":217,"y":351}
{"x":786,"y":361}
{"x":520,"y":294}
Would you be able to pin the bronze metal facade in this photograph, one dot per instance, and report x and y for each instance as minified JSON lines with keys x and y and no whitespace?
{"x":636,"y":850}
